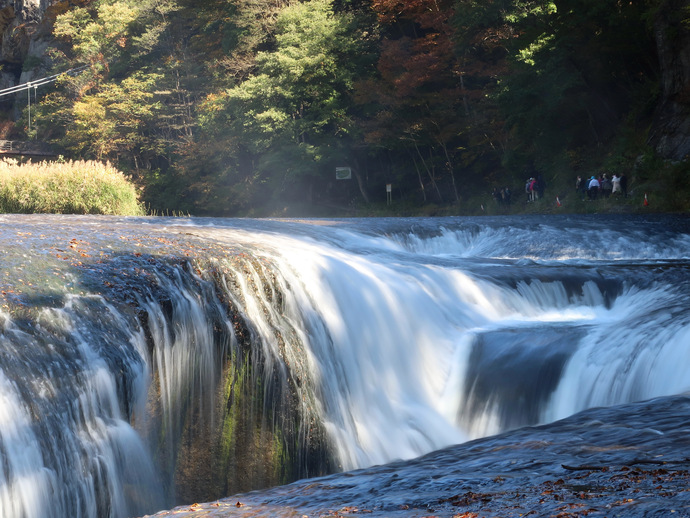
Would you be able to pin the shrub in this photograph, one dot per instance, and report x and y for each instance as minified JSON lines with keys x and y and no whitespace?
{"x":73,"y":187}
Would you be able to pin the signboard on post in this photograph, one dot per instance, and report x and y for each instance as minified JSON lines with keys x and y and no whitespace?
{"x":343,"y":173}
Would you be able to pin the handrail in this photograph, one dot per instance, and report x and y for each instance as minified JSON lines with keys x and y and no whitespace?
{"x":40,"y":82}
{"x":21,"y":147}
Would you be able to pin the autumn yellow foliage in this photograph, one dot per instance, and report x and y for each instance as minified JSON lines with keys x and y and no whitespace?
{"x":66,"y":187}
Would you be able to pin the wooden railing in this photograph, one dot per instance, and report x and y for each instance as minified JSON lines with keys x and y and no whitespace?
{"x":26,"y":148}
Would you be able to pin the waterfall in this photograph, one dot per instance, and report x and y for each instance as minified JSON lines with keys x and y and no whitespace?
{"x":164,"y":360}
{"x":67,"y":445}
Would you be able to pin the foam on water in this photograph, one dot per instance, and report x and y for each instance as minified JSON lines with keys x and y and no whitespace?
{"x":405,"y":335}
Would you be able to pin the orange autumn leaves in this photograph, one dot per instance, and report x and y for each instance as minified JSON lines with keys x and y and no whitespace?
{"x":424,"y":54}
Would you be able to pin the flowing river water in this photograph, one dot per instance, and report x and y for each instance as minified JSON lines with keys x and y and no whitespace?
{"x":151,"y":362}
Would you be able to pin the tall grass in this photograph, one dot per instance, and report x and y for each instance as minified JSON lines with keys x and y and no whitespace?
{"x":72,"y":187}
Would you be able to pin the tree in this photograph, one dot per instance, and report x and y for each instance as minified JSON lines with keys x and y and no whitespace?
{"x":289,"y":115}
{"x":415,"y":102}
{"x":575,"y":68}
{"x":106,"y":110}
{"x":435,"y":96}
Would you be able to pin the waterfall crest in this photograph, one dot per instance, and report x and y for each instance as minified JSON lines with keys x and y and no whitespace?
{"x":149,"y":362}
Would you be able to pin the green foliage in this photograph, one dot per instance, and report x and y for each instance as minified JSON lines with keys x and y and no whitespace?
{"x":114,"y":108}
{"x":108,"y":122}
{"x":96,"y":34}
{"x":225,"y":107}
{"x":575,"y":68}
{"x":299,"y":91}
{"x":66,"y":188}
{"x":283,"y":121}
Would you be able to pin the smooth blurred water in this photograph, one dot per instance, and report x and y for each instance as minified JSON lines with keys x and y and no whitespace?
{"x":402,"y":335}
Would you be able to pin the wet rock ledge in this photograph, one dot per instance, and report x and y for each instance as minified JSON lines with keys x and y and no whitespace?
{"x":627,"y":461}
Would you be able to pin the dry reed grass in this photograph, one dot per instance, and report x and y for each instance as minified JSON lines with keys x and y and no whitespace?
{"x":66,"y":187}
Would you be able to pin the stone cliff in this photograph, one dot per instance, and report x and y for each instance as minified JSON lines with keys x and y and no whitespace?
{"x":670,"y":132}
{"x":24,"y":39}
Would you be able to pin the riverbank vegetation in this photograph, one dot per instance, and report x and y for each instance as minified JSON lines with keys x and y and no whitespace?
{"x":73,"y":187}
{"x":246,"y":108}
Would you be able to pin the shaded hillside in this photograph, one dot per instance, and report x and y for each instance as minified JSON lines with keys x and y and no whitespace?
{"x":247,"y":108}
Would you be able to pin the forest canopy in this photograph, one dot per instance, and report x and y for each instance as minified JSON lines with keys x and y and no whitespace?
{"x":247,"y":107}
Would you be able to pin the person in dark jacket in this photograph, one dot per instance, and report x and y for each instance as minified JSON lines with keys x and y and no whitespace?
{"x":624,"y":185}
{"x":606,"y":186}
{"x":581,"y":187}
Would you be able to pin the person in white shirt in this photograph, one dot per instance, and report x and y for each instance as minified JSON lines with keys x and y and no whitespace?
{"x":593,"y":188}
{"x":616,"y":181}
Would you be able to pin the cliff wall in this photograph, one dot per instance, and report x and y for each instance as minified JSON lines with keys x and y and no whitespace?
{"x":670,"y":132}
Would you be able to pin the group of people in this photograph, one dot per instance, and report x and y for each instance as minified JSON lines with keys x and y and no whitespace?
{"x":604,"y":186}
{"x":502,"y":196}
{"x":534,"y":188}
{"x":591,"y":188}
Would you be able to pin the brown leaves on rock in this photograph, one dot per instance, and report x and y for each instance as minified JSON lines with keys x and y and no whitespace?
{"x":467,"y":499}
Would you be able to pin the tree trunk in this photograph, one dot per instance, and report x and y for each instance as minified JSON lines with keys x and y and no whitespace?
{"x":429,"y":172}
{"x":419,"y":175}
{"x":450,"y":170}
{"x":360,"y":181}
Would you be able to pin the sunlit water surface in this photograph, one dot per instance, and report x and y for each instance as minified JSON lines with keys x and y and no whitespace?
{"x":406,"y":335}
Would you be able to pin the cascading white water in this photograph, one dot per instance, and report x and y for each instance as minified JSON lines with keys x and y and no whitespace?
{"x":63,"y":433}
{"x":635,"y":350}
{"x":185,"y":358}
{"x":24,"y":484}
{"x":392,"y":327}
{"x":402,"y":337}
{"x":379,"y":338}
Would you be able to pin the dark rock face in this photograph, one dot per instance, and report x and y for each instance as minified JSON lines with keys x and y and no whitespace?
{"x":670,"y":134}
{"x":19,"y":21}
{"x":21,"y":37}
{"x":622,"y":461}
